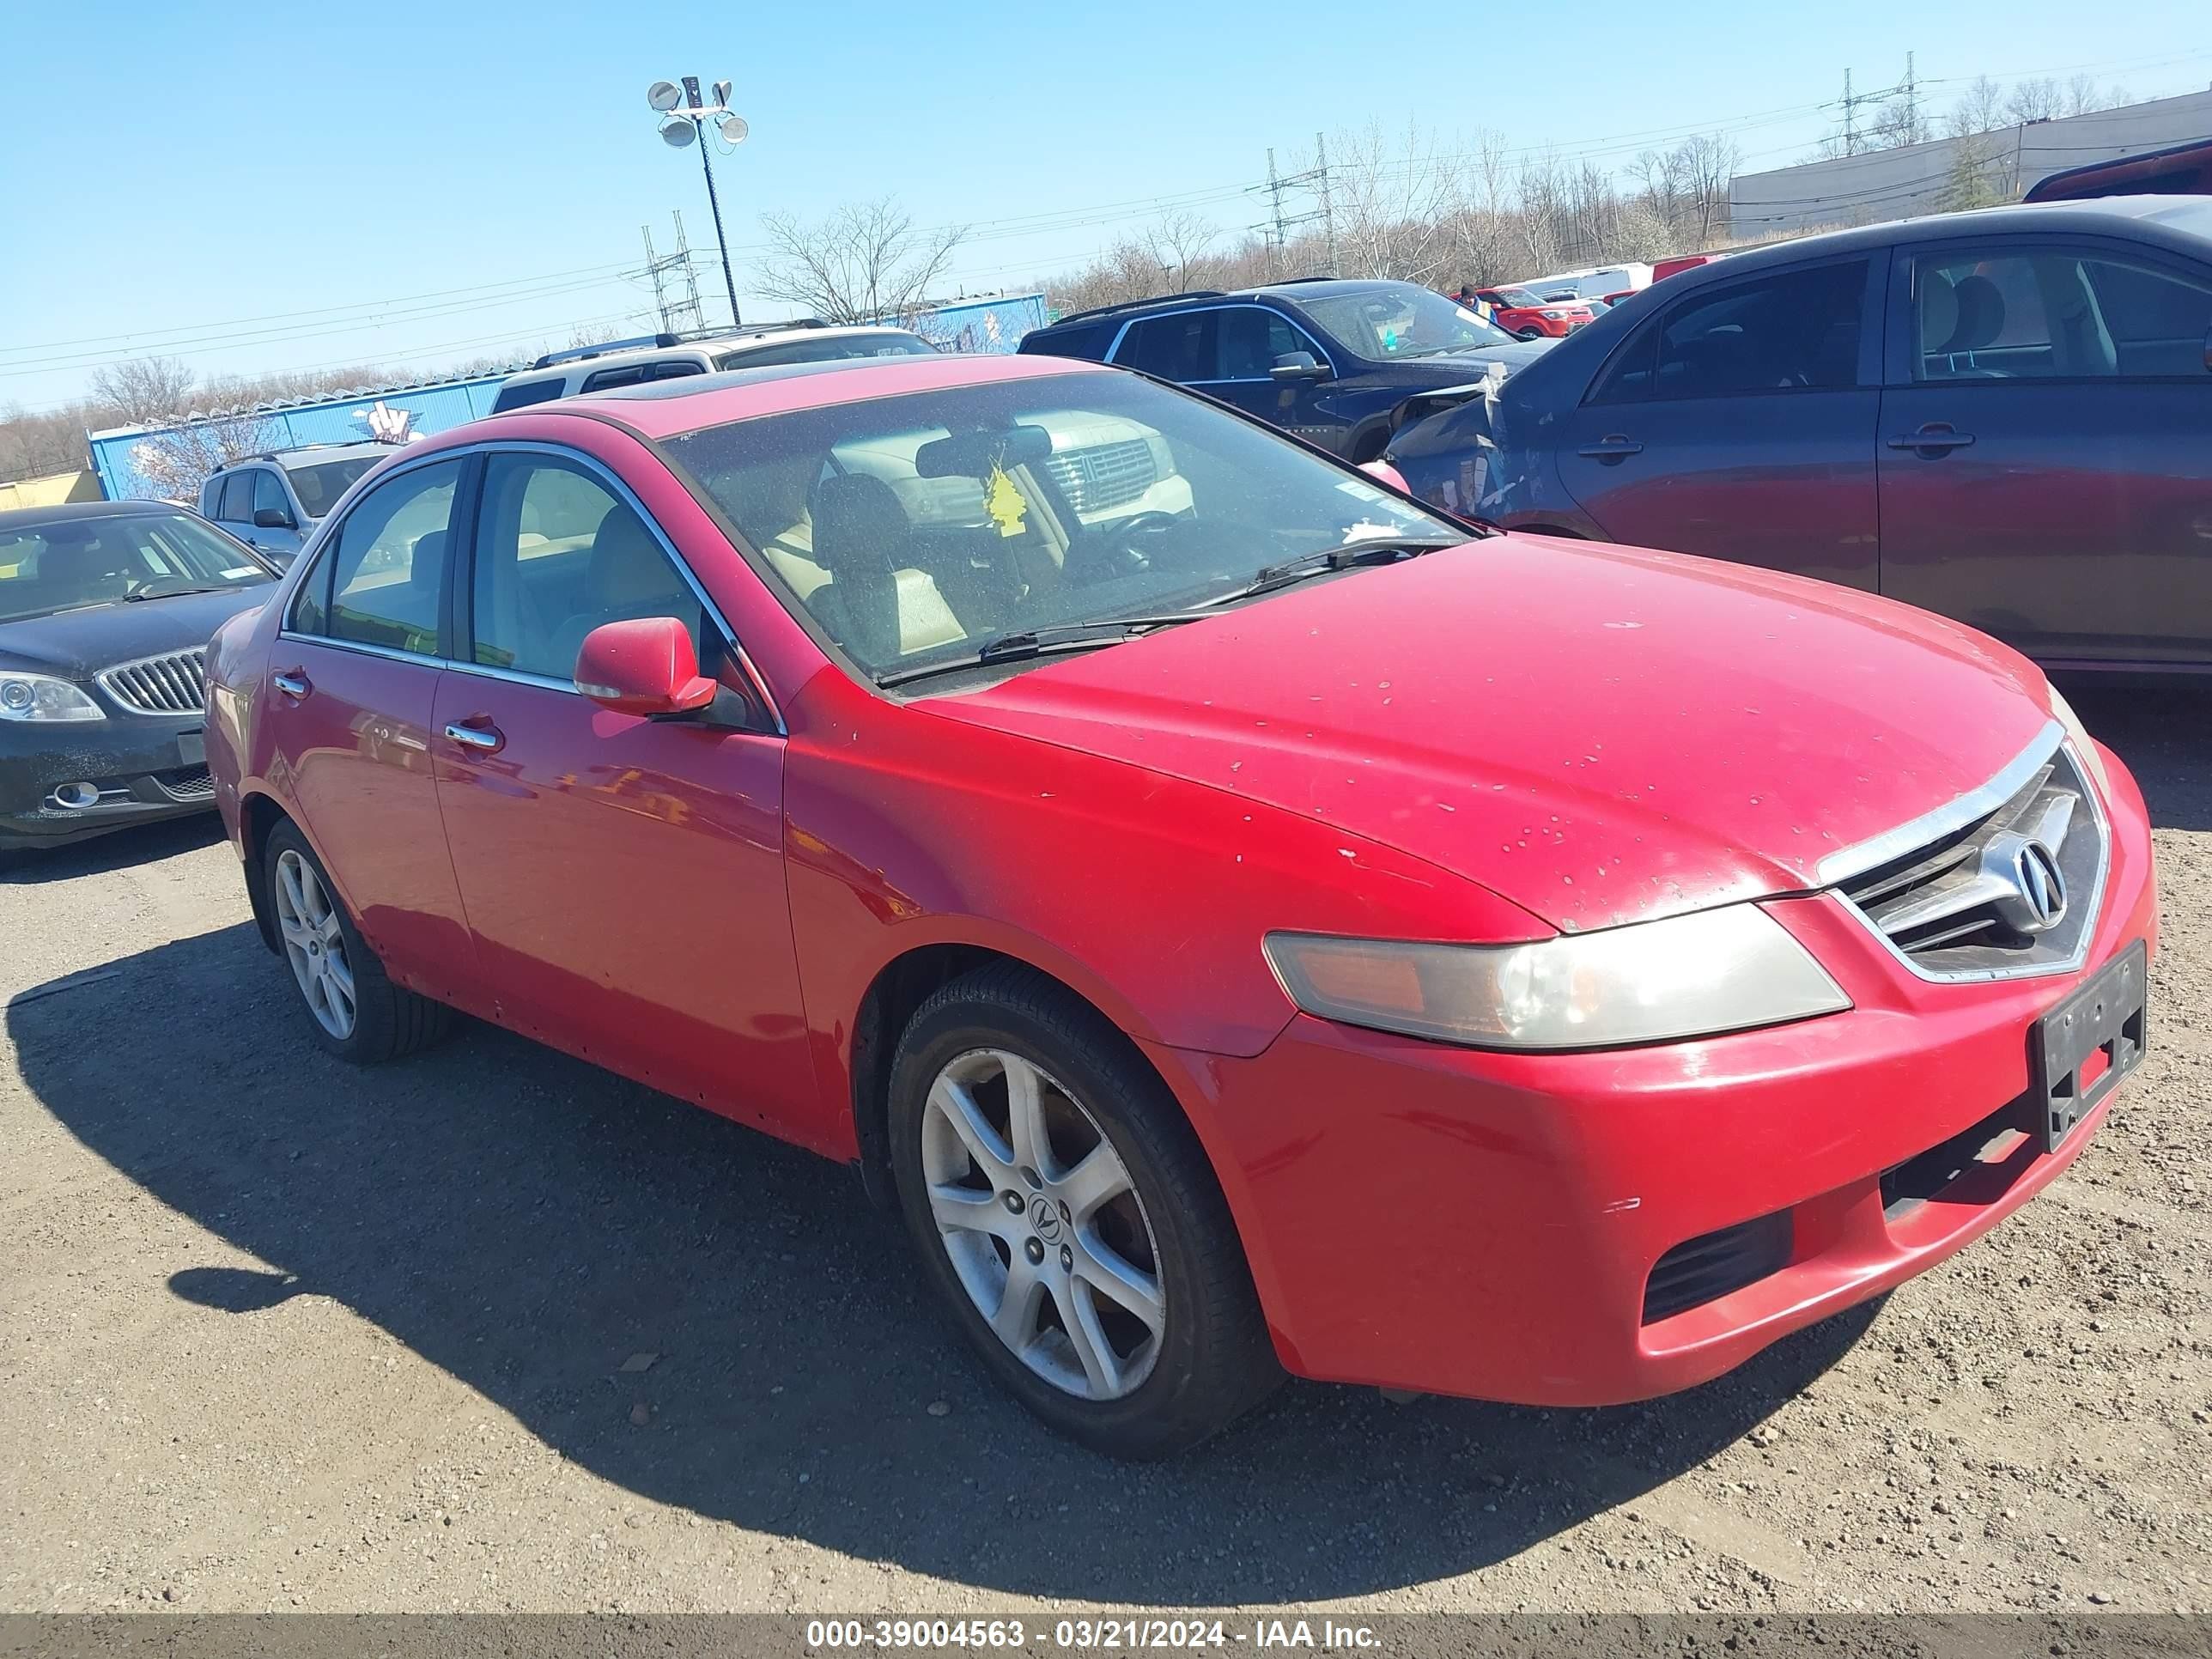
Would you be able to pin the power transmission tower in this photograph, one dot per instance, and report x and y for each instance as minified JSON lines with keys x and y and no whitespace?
{"x":675,"y":283}
{"x":1277,"y":229}
{"x":1911,"y":104}
{"x":1851,"y":105}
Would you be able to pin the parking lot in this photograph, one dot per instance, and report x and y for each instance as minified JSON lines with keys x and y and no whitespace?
{"x":492,"y":1329}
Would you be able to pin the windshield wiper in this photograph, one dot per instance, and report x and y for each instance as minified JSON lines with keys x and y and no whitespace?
{"x":1380,"y":550}
{"x":145,"y":593}
{"x":1043,"y":642}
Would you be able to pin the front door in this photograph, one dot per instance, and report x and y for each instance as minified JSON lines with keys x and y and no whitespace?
{"x":623,"y":878}
{"x":2046,"y":459}
{"x":1249,"y":342}
{"x":1740,"y":424}
{"x":353,"y":688}
{"x":279,"y":537}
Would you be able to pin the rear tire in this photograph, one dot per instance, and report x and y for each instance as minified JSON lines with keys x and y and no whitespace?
{"x":1096,"y":1238}
{"x":353,"y":1008}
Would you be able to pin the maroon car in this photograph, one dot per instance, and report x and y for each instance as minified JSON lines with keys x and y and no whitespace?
{"x":2005,"y":417}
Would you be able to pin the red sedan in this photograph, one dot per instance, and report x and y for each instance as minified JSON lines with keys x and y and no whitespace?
{"x":1274,"y":934}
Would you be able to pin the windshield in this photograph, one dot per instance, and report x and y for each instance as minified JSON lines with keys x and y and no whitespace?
{"x":65,"y":564}
{"x":320,"y":485}
{"x":1400,"y":320}
{"x":912,"y":529}
{"x":1518,"y":297}
{"x":891,"y":343}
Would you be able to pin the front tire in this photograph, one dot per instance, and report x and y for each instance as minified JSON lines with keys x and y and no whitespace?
{"x":353,"y":1009}
{"x":1065,"y":1212}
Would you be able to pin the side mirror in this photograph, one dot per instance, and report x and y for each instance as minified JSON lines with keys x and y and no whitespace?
{"x":1297,"y":366}
{"x":644,"y":667}
{"x":272,"y":518}
{"x":1383,"y":472}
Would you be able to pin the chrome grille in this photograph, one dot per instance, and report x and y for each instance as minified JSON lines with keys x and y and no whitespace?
{"x":173,"y":684}
{"x":2009,"y":889}
{"x":1102,"y":475}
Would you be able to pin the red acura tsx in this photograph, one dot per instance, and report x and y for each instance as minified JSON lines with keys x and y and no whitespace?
{"x":1245,"y":921}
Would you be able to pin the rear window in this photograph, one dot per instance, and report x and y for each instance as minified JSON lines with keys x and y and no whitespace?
{"x":320,"y":484}
{"x":521,"y":395}
{"x":1082,"y":340}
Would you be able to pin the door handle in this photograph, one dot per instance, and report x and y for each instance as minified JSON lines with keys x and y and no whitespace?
{"x":291,"y":682}
{"x":1934,"y":439}
{"x":1613,"y":446}
{"x":486,"y":737}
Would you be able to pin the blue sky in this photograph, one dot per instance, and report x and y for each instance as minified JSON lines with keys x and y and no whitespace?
{"x":268,"y":187}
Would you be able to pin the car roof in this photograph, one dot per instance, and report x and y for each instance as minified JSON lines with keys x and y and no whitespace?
{"x":710,"y":345}
{"x":2171,"y":214}
{"x":29,"y":518}
{"x":667,"y":408}
{"x":311,"y":452}
{"x":1293,"y":289}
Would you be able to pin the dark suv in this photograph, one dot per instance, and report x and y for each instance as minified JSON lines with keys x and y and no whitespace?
{"x":1328,"y":360}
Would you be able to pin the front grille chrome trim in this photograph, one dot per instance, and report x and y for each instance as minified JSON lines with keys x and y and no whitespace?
{"x":171,"y":683}
{"x":2049,"y":752}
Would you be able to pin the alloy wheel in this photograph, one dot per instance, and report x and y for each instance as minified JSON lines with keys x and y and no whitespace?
{"x":1042,"y":1223}
{"x":314,"y":944}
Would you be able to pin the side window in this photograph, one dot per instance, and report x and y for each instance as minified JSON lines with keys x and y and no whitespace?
{"x":1795,"y":330}
{"x":211,"y":497}
{"x":558,"y":553}
{"x":2025,"y":313}
{"x":1248,"y":339}
{"x":269,"y":492}
{"x":389,"y":569}
{"x":1180,"y":347}
{"x":237,"y":504}
{"x":675,"y":371}
{"x":311,"y":603}
{"x":1631,"y":376}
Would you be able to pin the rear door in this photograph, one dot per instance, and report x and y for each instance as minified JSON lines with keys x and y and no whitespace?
{"x":623,"y":878}
{"x":1739,"y":422}
{"x":2046,"y":458}
{"x":234,"y":504}
{"x":353,"y":685}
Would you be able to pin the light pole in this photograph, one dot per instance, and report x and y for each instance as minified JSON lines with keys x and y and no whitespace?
{"x":684,"y":117}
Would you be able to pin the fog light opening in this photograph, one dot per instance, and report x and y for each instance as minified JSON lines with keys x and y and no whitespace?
{"x":77,"y":796}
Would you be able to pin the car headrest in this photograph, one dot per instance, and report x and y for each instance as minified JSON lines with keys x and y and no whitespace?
{"x":627,"y":564}
{"x":1981,"y":314}
{"x":858,"y":524}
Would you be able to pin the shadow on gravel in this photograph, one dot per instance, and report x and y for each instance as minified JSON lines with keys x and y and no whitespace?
{"x":529,"y":1223}
{"x":2164,"y":732}
{"x":140,"y":844}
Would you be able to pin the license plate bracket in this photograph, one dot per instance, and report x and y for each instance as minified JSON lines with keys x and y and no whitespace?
{"x":2104,"y":1020}
{"x":191,"y":749}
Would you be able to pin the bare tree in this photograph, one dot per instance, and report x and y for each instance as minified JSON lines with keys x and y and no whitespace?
{"x":864,"y":263}
{"x":1980,"y":108}
{"x":33,"y":446}
{"x":143,"y":390}
{"x":1391,"y":195}
{"x":1182,"y":246}
{"x":178,"y":461}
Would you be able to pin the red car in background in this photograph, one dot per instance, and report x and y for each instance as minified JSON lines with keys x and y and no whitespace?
{"x":1521,"y":312}
{"x":1279,"y":933}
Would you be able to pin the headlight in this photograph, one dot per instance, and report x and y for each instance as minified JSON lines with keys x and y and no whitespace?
{"x":2078,"y":735}
{"x":1555,"y":316}
{"x":1713,"y":970}
{"x":40,"y":698}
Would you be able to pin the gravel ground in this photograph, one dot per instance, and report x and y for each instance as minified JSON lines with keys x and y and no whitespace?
{"x":275,"y":1333}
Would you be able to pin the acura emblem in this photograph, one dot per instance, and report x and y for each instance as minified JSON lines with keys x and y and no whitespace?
{"x":2037,"y":902}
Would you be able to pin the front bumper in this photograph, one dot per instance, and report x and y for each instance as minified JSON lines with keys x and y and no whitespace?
{"x":143,"y":768}
{"x":1488,"y":1225}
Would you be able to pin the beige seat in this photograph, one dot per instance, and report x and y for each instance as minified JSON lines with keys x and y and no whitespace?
{"x":874,"y":601}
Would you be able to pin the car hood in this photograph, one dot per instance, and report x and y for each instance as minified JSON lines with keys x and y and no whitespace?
{"x":75,"y":644}
{"x":1601,"y":735}
{"x":1451,"y":365}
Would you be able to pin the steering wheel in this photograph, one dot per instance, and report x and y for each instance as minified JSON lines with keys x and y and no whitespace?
{"x":1121,"y":550}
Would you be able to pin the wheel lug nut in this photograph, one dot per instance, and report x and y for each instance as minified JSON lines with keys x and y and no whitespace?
{"x":1067,"y":1258}
{"x":1034,"y":1248}
{"x":1013,"y":1202}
